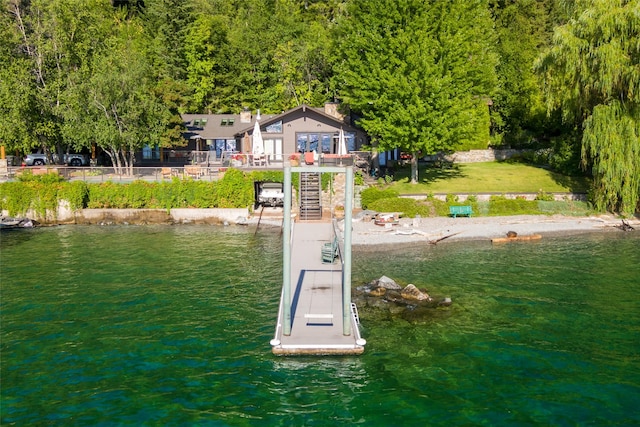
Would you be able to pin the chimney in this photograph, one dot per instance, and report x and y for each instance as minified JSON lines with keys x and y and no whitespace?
{"x":331,"y":109}
{"x":245,"y":115}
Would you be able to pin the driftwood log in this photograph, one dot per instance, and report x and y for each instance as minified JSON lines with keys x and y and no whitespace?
{"x":625,"y":226}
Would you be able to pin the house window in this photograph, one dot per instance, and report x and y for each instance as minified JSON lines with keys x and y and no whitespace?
{"x":150,"y":153}
{"x":273,"y":148}
{"x":308,"y":142}
{"x":274,"y":127}
{"x":326,"y":143}
{"x":323,"y":142}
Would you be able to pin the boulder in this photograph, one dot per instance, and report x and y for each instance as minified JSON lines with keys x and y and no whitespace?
{"x":385,"y":299}
{"x":378,"y":292}
{"x":385,"y":282}
{"x":411,"y":293}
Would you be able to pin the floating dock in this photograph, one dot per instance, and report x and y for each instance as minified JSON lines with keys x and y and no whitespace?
{"x":316,"y":316}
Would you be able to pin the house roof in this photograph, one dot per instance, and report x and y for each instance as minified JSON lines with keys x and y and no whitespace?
{"x":232,"y":126}
{"x":216,"y":126}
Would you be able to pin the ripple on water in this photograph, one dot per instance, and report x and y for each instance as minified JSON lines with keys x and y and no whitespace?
{"x":171,"y":325}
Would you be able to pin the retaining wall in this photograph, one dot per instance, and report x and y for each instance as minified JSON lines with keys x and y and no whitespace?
{"x":64,"y":215}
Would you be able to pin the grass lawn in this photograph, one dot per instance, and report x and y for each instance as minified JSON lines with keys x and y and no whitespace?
{"x":489,"y":177}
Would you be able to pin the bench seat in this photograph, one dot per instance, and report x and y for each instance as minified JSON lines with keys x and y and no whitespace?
{"x":456,"y":211}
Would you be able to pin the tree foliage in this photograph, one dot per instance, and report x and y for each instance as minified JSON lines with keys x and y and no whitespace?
{"x":417,"y":71}
{"x":519,"y":112}
{"x":592,"y":73}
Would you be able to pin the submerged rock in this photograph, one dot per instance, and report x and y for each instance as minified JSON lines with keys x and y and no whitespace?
{"x":413,"y":293}
{"x":386,"y":282}
{"x":388,"y":299}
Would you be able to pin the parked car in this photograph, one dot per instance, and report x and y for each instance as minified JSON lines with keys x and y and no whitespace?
{"x":76,"y":160}
{"x":36,"y":159}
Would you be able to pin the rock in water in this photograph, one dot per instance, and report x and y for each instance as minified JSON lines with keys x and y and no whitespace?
{"x":413,"y":293}
{"x":512,"y":234}
{"x":386,"y":282}
{"x":378,"y":292}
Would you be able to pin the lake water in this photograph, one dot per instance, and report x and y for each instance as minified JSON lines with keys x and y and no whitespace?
{"x":162,"y":325}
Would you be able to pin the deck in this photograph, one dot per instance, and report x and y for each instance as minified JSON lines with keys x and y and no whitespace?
{"x":317,"y":318}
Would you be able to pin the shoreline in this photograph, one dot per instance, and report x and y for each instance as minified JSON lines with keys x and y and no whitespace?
{"x":367,"y":235}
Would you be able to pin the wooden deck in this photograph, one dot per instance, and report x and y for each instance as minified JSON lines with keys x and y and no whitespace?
{"x":316,"y":299}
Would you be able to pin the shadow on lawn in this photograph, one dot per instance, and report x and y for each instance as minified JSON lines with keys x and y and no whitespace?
{"x":576,"y":184}
{"x":430,"y":173}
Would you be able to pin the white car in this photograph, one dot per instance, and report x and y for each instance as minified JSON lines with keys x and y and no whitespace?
{"x":76,"y":160}
{"x":36,"y":159}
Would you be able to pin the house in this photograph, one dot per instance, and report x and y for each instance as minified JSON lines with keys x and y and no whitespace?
{"x":301,"y":129}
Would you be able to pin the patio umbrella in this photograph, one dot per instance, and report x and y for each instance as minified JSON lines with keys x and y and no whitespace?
{"x":246,"y":143}
{"x":342,"y":145}
{"x":258,"y":143}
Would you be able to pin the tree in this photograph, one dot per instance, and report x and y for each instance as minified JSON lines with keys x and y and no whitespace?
{"x":592,"y":74}
{"x":418,"y":72}
{"x":118,"y":97}
{"x":522,"y":27}
{"x":50,"y":43}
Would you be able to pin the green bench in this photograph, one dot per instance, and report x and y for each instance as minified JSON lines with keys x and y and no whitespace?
{"x":330,"y":251}
{"x":456,"y":211}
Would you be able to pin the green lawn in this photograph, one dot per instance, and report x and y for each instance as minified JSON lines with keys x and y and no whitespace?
{"x":489,"y":177}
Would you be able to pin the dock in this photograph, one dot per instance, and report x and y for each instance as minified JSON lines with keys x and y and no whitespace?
{"x":316,"y":315}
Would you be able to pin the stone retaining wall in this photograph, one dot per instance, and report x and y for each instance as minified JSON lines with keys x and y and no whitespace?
{"x":477,"y":156}
{"x":65,"y":215}
{"x":485,"y":197}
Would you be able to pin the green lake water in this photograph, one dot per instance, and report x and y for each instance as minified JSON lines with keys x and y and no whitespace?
{"x":164,"y":325}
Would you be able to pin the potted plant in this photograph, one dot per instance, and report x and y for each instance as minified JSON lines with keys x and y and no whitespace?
{"x":294,"y":159}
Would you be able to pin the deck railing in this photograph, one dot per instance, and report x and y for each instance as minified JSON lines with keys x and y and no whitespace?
{"x":207,"y":170}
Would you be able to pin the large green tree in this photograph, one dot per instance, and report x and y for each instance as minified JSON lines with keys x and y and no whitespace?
{"x":592,"y":73}
{"x":419,"y":72}
{"x":47,"y":41}
{"x":117,"y":105}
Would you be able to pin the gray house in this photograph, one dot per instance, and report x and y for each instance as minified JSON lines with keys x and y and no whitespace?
{"x":301,"y":129}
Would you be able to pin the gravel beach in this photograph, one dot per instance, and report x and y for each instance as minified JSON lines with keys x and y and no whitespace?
{"x":443,"y":229}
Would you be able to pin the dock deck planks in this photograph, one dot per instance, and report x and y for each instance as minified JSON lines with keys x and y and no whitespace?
{"x":316,"y":296}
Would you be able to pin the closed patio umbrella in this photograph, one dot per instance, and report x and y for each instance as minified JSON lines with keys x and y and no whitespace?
{"x":258,"y":143}
{"x":342,"y":144}
{"x":258,"y":146}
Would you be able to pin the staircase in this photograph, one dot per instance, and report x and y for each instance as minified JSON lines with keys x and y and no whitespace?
{"x":310,"y":193}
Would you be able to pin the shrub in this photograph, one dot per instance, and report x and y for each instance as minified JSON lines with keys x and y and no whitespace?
{"x":544,"y":196}
{"x":500,"y":205}
{"x":234,"y":190}
{"x":408,"y":207}
{"x":371,"y":194}
{"x":76,"y":193}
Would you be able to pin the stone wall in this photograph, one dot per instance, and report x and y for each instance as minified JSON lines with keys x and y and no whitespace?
{"x":477,"y":156}
{"x":461,"y":197}
{"x":65,"y":215}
